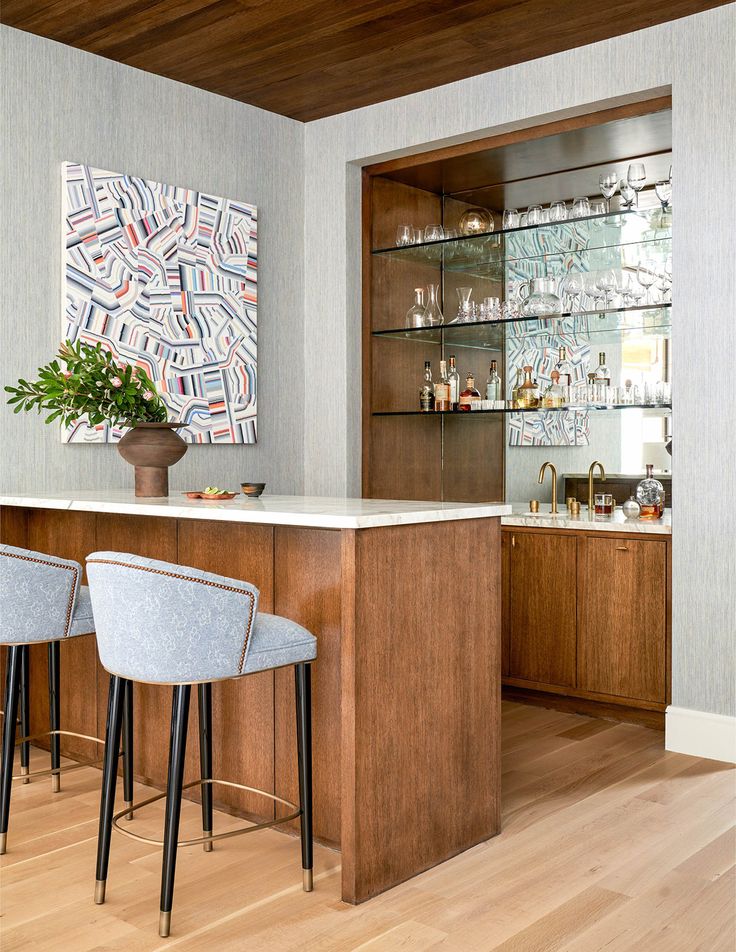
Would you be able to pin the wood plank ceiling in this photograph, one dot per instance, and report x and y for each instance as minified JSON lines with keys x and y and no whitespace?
{"x":310,"y":58}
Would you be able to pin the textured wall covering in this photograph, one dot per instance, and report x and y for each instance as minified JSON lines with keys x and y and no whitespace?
{"x":693,"y":57}
{"x":62,"y":104}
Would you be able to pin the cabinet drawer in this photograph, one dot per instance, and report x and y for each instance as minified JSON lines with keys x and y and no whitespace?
{"x":622,"y":617}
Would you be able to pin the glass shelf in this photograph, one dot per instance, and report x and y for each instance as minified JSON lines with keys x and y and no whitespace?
{"x":613,"y":324}
{"x":568,"y":408}
{"x":646,"y":233}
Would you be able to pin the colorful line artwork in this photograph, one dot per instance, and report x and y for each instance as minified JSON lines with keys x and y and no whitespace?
{"x":165,"y":278}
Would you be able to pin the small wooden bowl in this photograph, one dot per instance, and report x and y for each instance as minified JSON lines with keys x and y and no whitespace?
{"x":252,"y":489}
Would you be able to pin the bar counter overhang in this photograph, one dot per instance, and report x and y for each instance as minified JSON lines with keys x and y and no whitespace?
{"x":405,"y":600}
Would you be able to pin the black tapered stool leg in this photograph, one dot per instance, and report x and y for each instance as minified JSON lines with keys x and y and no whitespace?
{"x":109,"y":782}
{"x":177,"y":751}
{"x":128,"y":747}
{"x":25,"y":712}
{"x":303,"y":676}
{"x":205,"y":758}
{"x":54,"y":717}
{"x":12,"y":683}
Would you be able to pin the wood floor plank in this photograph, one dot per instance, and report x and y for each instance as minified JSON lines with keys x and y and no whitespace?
{"x":609,"y":844}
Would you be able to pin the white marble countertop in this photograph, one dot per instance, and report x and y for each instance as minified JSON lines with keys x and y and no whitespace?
{"x":322,"y":512}
{"x":521,"y":516}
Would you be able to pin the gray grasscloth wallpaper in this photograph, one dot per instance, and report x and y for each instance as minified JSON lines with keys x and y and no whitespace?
{"x":59,"y":103}
{"x":694,"y":58}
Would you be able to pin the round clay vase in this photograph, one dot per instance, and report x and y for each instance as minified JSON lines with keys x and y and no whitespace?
{"x":152,"y":448}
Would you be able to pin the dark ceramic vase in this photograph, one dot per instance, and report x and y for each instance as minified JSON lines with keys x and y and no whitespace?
{"x":152,"y":448}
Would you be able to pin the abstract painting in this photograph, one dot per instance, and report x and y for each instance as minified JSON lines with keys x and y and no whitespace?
{"x":165,"y":278}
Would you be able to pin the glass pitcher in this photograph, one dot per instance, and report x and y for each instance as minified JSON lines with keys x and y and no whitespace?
{"x":542,"y":297}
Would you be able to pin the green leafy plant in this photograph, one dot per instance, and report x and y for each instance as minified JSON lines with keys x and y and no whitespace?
{"x":85,"y":380}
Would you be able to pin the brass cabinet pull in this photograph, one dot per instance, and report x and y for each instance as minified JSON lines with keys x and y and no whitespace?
{"x":513,"y":541}
{"x":621,"y":548}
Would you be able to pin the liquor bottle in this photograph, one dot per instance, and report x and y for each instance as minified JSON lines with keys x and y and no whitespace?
{"x":564,"y":369}
{"x":470,"y":397}
{"x":515,"y":389}
{"x":493,"y":384}
{"x":415,"y":314}
{"x":554,"y":395}
{"x":650,"y":496}
{"x":602,"y":373}
{"x":527,"y":397}
{"x":454,"y":377}
{"x":442,"y":390}
{"x":426,"y":394}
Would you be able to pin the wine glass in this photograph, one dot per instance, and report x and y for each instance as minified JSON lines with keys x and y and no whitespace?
{"x":663,"y":191}
{"x":627,"y":194}
{"x":511,"y":218}
{"x":573,"y":289}
{"x":646,"y":275}
{"x":434,"y":233}
{"x":637,"y":178}
{"x":608,"y":183}
{"x":607,"y":283}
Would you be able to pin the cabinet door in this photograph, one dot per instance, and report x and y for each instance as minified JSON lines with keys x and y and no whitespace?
{"x":622,"y":617}
{"x":542,"y":608}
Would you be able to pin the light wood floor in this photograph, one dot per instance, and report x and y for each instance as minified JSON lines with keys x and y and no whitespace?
{"x":609,"y":843}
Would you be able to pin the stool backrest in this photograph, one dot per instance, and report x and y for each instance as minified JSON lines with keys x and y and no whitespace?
{"x":37,"y":595}
{"x":166,"y":623}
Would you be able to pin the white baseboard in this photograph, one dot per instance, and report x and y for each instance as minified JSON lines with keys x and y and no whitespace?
{"x":700,"y":734}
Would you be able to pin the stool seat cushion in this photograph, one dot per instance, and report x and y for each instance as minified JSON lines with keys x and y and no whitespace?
{"x":39,"y":597}
{"x":278,"y":641}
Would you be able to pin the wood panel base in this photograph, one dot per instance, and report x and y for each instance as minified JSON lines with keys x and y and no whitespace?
{"x":406,"y":685}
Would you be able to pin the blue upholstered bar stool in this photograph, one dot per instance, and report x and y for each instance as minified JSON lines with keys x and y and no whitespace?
{"x":41,"y":601}
{"x":168,"y":624}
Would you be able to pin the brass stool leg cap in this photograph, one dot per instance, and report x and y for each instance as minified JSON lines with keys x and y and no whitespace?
{"x":24,"y":771}
{"x":100,"y":885}
{"x":55,"y":783}
{"x":208,"y":844}
{"x":164,"y":924}
{"x":308,"y":879}
{"x":129,"y":806}
{"x":3,"y":843}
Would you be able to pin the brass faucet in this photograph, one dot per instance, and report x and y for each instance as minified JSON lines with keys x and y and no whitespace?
{"x":591,"y":500}
{"x":554,"y":482}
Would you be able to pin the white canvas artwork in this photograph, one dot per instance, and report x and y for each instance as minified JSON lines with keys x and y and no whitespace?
{"x":165,"y":278}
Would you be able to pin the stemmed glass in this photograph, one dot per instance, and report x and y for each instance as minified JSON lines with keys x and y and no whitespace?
{"x":606,"y":283}
{"x":646,"y":275}
{"x":663,"y":191}
{"x":627,"y":194}
{"x":637,"y":178}
{"x":608,"y":183}
{"x":573,"y":289}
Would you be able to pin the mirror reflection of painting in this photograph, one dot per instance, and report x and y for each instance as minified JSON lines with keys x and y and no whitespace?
{"x":165,"y":278}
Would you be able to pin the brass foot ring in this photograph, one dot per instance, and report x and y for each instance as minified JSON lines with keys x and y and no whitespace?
{"x":209,"y":838}
{"x":26,"y":776}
